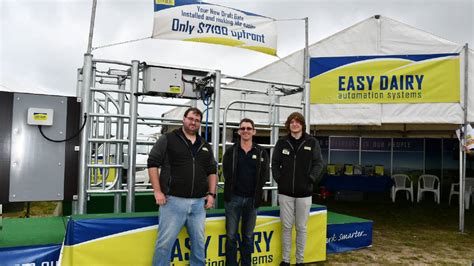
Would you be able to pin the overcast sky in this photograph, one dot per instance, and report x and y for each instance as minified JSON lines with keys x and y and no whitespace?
{"x":42,"y":42}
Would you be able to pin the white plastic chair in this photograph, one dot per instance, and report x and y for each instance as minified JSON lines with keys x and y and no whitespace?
{"x":469,"y":191}
{"x":468,"y":195}
{"x":402,"y":182}
{"x":429,"y":183}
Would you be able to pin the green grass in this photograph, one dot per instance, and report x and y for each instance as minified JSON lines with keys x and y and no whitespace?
{"x":403,"y":233}
{"x":406,"y":233}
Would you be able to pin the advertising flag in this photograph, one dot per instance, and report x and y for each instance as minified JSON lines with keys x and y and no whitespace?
{"x":197,"y":21}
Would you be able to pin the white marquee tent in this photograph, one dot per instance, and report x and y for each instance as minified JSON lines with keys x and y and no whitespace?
{"x":376,"y":35}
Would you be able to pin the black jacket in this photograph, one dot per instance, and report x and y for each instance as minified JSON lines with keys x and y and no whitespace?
{"x":182,"y":174}
{"x":229,"y":167}
{"x":296,"y":169}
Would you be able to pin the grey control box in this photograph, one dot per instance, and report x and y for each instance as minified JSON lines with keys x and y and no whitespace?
{"x":173,"y":82}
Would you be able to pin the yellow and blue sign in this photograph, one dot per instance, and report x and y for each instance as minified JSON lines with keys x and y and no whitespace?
{"x":428,"y":78}
{"x":131,"y":241}
{"x":40,"y":116}
{"x":197,"y":21}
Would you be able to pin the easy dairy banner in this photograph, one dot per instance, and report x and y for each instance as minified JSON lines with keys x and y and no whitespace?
{"x":131,"y":241}
{"x":431,"y":78}
{"x":196,"y":21}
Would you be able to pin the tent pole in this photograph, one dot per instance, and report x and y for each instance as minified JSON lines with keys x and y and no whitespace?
{"x":216,"y":123}
{"x":462,"y":171}
{"x":86,"y":104}
{"x":85,"y":108}
{"x":306,"y":85}
{"x":91,"y":27}
{"x":132,"y":136}
{"x":461,"y":184}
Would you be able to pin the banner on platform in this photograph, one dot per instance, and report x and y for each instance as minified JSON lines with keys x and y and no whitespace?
{"x":197,"y":21}
{"x":131,"y":241}
{"x":348,"y":236}
{"x":30,"y":255}
{"x":431,"y":78}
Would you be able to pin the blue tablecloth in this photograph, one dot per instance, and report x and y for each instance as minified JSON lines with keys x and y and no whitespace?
{"x":357,"y":183}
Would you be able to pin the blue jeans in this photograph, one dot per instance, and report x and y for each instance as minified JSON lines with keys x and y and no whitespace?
{"x":176,"y":213}
{"x":234,"y":209}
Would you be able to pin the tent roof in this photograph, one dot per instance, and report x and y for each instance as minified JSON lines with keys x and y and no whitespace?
{"x":376,"y":35}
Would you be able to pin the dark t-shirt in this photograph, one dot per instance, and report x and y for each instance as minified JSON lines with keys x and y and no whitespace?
{"x":246,"y":173}
{"x":295,"y":142}
{"x":194,"y":146}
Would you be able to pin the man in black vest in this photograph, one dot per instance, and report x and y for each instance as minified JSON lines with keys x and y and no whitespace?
{"x":182,"y":171}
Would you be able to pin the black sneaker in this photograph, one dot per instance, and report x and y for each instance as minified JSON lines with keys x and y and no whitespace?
{"x":284,"y":263}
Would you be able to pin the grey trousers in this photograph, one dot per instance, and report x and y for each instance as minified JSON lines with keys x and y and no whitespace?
{"x":293,"y":211}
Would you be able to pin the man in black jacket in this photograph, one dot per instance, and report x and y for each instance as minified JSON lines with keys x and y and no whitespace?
{"x":296,"y":165}
{"x":182,"y":172}
{"x":246,"y":168}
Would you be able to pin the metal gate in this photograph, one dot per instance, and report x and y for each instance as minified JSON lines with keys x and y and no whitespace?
{"x":112,"y":95}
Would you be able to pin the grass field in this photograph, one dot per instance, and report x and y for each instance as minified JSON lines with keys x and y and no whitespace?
{"x":403,"y":232}
{"x":408,"y":233}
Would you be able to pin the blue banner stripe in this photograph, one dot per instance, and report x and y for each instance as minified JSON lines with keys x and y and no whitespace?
{"x":30,"y":255}
{"x":319,"y":65}
{"x":79,"y":231}
{"x":159,"y":7}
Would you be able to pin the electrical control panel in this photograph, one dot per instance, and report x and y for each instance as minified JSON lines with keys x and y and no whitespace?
{"x":174,"y":82}
{"x":163,"y":81}
{"x":33,"y":168}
